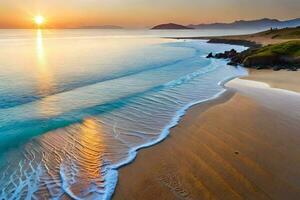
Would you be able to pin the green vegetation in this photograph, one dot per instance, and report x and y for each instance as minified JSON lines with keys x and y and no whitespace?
{"x":285,"y":54}
{"x":283,"y":51}
{"x":286,"y":33}
{"x":291,"y":48}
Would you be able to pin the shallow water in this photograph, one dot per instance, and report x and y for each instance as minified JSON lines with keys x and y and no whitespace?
{"x":75,"y":105}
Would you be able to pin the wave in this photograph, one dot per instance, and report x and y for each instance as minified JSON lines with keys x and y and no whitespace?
{"x":78,"y":151}
{"x":19,"y":131}
{"x":164,"y":134}
{"x":12,"y":100}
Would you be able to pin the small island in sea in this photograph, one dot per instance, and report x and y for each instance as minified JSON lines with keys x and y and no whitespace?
{"x":171,"y":26}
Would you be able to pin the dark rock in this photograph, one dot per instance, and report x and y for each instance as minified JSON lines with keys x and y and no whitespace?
{"x":277,"y":68}
{"x":221,"y":56}
{"x":218,"y":55}
{"x":232,"y":53}
{"x":227,"y":54}
{"x":260,"y":68}
{"x":237,"y":59}
{"x":210,"y":55}
{"x":231,"y":63}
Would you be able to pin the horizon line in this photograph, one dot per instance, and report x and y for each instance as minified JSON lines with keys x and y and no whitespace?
{"x":144,"y":27}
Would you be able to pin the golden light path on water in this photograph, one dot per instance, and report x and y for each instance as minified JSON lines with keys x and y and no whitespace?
{"x":45,"y":79}
{"x":74,"y":159}
{"x":77,"y":149}
{"x":40,"y":48}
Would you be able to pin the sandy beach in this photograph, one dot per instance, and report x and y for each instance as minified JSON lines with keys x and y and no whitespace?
{"x":243,"y":145}
{"x":284,"y":79}
{"x":252,"y":40}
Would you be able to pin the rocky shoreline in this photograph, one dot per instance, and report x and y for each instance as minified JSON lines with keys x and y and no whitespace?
{"x":271,"y":49}
{"x":258,"y":56}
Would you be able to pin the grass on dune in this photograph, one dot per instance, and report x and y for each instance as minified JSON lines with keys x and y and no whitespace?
{"x":291,"y":48}
{"x":285,"y":33}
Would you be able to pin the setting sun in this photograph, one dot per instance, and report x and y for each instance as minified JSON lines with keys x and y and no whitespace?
{"x":39,"y":20}
{"x":210,"y":87}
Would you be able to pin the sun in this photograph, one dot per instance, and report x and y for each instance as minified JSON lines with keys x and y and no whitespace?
{"x":39,"y":20}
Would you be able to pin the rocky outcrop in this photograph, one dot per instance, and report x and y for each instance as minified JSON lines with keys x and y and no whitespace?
{"x":210,"y":55}
{"x":285,"y":55}
{"x":227,"y":54}
{"x":232,"y":55}
{"x":250,"y":59}
{"x":260,"y":61}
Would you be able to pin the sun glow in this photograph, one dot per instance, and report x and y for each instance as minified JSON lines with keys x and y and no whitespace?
{"x":39,"y":20}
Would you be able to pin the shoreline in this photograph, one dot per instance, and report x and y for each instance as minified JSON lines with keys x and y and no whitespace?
{"x":217,"y":99}
{"x":270,"y":49}
{"x":276,"y":79}
{"x":221,"y":40}
{"x":133,"y":153}
{"x":263,"y":52}
{"x":128,"y":171}
{"x":255,"y":40}
{"x":221,"y":97}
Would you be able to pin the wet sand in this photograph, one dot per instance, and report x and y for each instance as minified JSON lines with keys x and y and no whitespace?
{"x":284,"y":79}
{"x":243,"y":145}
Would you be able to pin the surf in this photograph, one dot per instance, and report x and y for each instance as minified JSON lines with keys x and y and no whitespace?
{"x":71,"y":144}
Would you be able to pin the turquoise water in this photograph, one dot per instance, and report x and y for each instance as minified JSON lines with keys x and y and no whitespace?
{"x":75,"y":105}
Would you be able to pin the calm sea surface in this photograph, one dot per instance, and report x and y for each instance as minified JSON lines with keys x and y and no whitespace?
{"x":75,"y":105}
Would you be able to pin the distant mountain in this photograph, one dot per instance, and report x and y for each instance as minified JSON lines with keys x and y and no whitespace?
{"x":170,"y":26}
{"x":102,"y":27}
{"x":252,"y":24}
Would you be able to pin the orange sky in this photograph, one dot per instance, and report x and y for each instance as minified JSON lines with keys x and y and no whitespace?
{"x":140,"y":13}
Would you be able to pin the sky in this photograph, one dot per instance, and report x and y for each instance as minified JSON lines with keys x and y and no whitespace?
{"x":140,"y":13}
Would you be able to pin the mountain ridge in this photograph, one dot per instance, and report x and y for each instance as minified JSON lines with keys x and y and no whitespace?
{"x":264,"y":23}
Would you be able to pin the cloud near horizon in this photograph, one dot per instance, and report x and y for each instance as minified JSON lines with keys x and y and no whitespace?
{"x":141,"y":13}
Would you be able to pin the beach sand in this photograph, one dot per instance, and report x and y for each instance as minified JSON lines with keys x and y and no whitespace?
{"x":243,"y":145}
{"x":264,"y":40}
{"x":284,"y":79}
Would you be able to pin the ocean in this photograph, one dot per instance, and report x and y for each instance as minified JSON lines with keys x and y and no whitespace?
{"x":76,"y":105}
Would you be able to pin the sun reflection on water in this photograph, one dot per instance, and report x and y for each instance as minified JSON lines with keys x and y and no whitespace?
{"x":91,"y":146}
{"x":40,"y":48}
{"x":78,"y":150}
{"x":45,"y":81}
